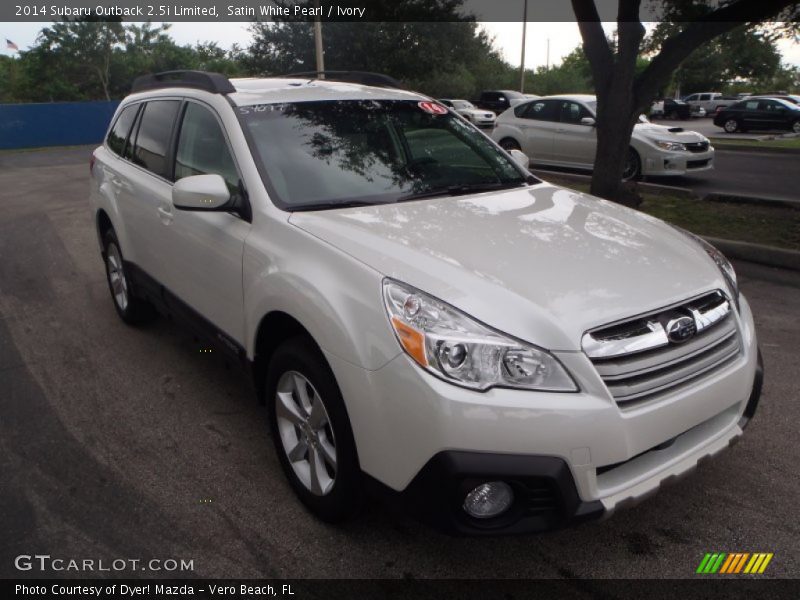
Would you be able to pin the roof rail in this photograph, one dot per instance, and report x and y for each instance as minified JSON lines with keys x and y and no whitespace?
{"x":216,"y":83}
{"x":362,"y":77}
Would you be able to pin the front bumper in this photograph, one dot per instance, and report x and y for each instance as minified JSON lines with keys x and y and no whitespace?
{"x":676,"y":163}
{"x":413,"y":432}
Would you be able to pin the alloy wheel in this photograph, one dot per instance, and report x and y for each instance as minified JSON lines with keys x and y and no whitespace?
{"x":306,"y":433}
{"x":731,"y":125}
{"x":116,"y":276}
{"x":796,"y":126}
{"x":631,"y":167}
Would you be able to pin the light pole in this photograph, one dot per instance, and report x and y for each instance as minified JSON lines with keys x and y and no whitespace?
{"x":522,"y":59}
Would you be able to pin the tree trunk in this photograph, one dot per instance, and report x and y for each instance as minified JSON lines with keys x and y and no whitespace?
{"x":614,"y":128}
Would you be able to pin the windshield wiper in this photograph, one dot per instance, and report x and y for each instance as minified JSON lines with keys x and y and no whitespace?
{"x":460,"y":190}
{"x":330,"y":205}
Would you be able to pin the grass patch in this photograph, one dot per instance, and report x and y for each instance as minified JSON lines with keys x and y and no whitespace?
{"x":793,"y":143}
{"x":766,"y":225}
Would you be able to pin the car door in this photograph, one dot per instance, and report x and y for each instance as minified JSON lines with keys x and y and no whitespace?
{"x":573,"y":142}
{"x":774,"y":114}
{"x":146,"y":185}
{"x":203,"y":249}
{"x":537,"y":121}
{"x":753,"y":116}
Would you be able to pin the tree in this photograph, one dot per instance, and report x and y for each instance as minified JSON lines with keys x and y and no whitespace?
{"x":445,"y":54}
{"x":743,"y":54}
{"x":83,"y":49}
{"x":622,"y":94}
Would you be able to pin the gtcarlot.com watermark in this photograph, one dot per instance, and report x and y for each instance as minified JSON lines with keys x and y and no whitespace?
{"x":47,"y":563}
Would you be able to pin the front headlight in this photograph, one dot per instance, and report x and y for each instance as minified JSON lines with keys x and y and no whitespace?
{"x":670,"y":146}
{"x":724,"y":265}
{"x":459,"y":349}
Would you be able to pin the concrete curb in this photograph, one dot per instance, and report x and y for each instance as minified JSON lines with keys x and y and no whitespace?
{"x":756,"y":253}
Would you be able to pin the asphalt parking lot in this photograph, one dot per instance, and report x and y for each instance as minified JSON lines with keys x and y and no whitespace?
{"x":130,"y":443}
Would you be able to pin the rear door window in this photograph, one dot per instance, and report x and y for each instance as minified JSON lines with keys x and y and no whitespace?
{"x":541,"y":110}
{"x":751,"y":105}
{"x":153,"y":137}
{"x":118,"y":135}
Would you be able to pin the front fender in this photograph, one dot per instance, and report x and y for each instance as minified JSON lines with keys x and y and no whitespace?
{"x":335,"y":297}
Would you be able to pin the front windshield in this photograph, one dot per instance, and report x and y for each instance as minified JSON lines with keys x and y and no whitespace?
{"x":324,"y":154}
{"x":462,"y":104}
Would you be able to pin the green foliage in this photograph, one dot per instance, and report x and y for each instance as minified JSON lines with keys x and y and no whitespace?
{"x":95,"y":60}
{"x":453,"y":58}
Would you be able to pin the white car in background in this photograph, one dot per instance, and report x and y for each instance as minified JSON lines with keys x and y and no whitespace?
{"x":465,"y":108}
{"x":560,"y":131}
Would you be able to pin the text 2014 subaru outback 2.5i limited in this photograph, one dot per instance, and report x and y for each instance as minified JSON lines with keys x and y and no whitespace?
{"x":423,"y":318}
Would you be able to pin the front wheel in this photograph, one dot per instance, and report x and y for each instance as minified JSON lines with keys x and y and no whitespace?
{"x":796,"y":126}
{"x":633,"y":166}
{"x":311,"y":431}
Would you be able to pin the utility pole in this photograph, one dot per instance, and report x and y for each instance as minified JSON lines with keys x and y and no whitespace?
{"x":318,"y":41}
{"x":522,"y":60}
{"x":548,"y":54}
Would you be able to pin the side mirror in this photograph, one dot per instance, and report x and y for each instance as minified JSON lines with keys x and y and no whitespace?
{"x":588,"y":121}
{"x":520,"y":158}
{"x":200,"y":192}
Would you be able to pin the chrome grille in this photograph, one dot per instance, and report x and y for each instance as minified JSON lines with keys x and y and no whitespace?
{"x":642,"y":358}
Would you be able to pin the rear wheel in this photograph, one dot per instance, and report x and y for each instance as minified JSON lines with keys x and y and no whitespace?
{"x":731,"y":126}
{"x":633,"y":166}
{"x":796,"y":126}
{"x":311,"y":431}
{"x":509,"y":144}
{"x":131,"y":309}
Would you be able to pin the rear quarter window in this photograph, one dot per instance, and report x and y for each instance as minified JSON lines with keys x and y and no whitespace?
{"x":118,"y":135}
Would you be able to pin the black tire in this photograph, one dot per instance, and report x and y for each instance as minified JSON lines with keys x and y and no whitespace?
{"x":673,"y":115}
{"x":509,"y":144}
{"x":133,"y":310}
{"x":345,"y":499}
{"x":633,"y":166}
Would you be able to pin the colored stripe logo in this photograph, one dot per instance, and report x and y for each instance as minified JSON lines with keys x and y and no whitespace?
{"x":734,"y":563}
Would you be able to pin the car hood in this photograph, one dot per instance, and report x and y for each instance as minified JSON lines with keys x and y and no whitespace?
{"x":661,"y":132}
{"x":542,"y":263}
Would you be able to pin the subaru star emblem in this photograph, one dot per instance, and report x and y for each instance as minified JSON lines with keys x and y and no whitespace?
{"x":681,"y":329}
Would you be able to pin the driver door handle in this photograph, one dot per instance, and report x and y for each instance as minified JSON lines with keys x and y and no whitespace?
{"x":165,"y":215}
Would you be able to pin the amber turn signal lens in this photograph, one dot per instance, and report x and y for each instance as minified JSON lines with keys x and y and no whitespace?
{"x":412,"y":340}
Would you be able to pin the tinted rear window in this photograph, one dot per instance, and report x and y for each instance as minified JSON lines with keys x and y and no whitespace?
{"x":119,"y":133}
{"x":152,"y":140}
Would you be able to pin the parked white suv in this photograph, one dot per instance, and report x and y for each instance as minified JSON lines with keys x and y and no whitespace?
{"x":560,"y":131}
{"x":423,"y":318}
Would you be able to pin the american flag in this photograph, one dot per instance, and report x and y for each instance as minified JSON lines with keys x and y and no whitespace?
{"x":11,"y":45}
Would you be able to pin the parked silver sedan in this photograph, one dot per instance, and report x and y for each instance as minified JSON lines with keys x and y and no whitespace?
{"x":560,"y":131}
{"x":465,"y":108}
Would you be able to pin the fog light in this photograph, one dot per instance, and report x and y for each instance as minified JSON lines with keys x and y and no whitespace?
{"x":489,"y":500}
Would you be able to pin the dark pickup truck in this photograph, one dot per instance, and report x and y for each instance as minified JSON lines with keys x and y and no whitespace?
{"x":499,"y":100}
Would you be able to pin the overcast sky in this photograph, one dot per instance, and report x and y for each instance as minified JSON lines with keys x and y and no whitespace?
{"x":563,"y":38}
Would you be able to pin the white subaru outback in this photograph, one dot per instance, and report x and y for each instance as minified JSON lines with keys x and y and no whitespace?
{"x":423,"y":318}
